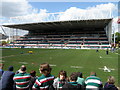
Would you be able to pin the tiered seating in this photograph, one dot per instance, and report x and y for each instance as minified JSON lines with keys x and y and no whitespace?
{"x":83,"y":37}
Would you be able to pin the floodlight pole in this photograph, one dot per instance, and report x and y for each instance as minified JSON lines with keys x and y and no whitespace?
{"x":114,"y":35}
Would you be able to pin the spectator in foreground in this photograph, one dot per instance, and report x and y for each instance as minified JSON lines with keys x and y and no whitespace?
{"x":60,"y":80}
{"x":33,"y":79}
{"x":110,"y":84}
{"x":93,"y":82}
{"x":80,"y":78}
{"x":72,"y":85}
{"x":22,"y":79}
{"x":46,"y":80}
{"x":19,"y":71}
{"x":7,"y":79}
{"x":1,"y":69}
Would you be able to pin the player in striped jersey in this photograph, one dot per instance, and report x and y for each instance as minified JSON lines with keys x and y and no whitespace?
{"x":92,"y":82}
{"x":22,"y":79}
{"x":46,"y":80}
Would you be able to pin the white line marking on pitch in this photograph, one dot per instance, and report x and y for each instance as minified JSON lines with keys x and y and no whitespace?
{"x":76,"y":67}
{"x":107,"y":57}
{"x":106,"y":69}
{"x":23,"y":62}
{"x":2,"y":61}
{"x":100,"y":57}
{"x":53,"y":65}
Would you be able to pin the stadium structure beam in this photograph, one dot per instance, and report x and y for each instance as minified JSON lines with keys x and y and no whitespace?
{"x":3,"y":30}
{"x":95,"y":23}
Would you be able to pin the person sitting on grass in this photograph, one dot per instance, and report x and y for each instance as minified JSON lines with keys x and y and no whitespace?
{"x":72,"y":84}
{"x":110,"y":84}
{"x":60,"y":80}
{"x":46,"y":80}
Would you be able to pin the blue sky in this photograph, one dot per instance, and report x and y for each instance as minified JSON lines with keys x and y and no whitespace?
{"x":62,"y":6}
{"x":23,"y":11}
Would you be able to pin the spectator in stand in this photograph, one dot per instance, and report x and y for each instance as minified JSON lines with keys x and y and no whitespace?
{"x":72,"y":85}
{"x":22,"y":79}
{"x":32,"y":80}
{"x":46,"y":80}
{"x":7,"y":79}
{"x":60,"y":80}
{"x":80,"y":78}
{"x":93,"y":82}
{"x":1,"y":69}
{"x":110,"y":84}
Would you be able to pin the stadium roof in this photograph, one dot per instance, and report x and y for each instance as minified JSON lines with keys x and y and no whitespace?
{"x":73,"y":24}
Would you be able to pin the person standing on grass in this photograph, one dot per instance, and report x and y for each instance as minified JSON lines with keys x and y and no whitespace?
{"x":45,"y":81}
{"x":22,"y":79}
{"x":97,"y":50}
{"x":107,"y":51}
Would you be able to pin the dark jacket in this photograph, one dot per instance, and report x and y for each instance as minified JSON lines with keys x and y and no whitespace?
{"x":7,"y":80}
{"x":32,"y":81}
{"x":1,"y":72}
{"x":108,"y":86}
{"x":72,"y":86}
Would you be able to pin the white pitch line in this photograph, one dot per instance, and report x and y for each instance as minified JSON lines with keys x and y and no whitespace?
{"x":100,"y":57}
{"x":53,"y":65}
{"x":76,"y":67}
{"x":23,"y":62}
{"x":2,"y":61}
{"x":107,"y":57}
{"x":108,"y":68}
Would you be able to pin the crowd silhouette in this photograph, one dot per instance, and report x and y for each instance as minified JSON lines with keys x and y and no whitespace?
{"x":22,"y":80}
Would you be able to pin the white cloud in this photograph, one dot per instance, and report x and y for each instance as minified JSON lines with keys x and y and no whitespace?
{"x":97,"y":12}
{"x":31,"y":18}
{"x":23,"y":12}
{"x":15,"y":8}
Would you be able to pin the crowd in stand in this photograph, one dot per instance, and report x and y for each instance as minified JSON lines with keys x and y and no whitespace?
{"x":21,"y":80}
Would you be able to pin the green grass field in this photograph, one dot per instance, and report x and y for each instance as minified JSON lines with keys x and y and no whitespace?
{"x":85,"y":61}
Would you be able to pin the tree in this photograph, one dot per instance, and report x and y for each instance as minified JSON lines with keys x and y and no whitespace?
{"x":4,"y":43}
{"x":117,"y":37}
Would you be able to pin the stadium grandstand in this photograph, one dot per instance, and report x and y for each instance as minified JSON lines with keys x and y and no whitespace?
{"x":93,"y":33}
